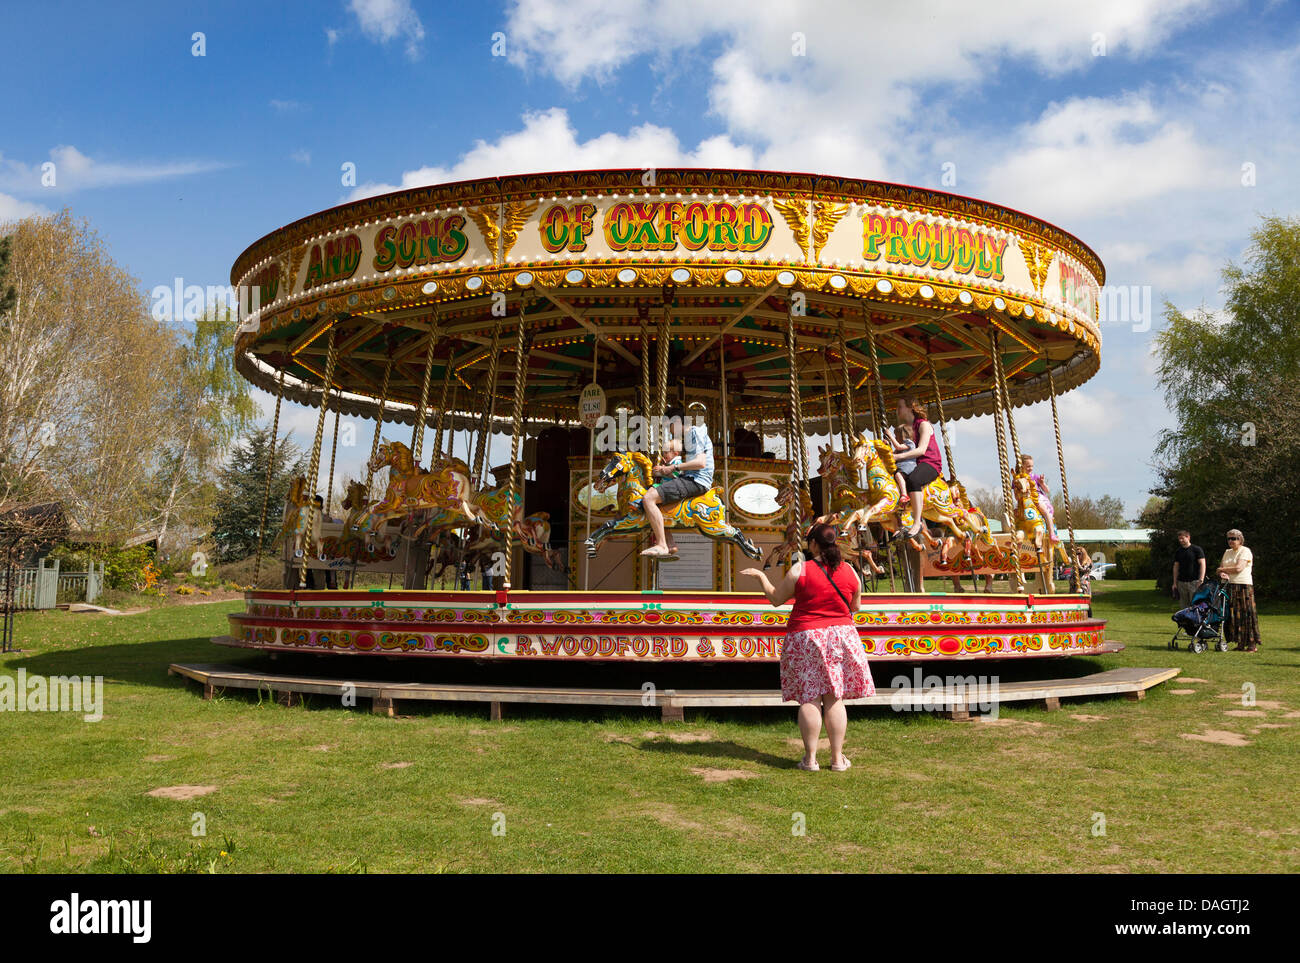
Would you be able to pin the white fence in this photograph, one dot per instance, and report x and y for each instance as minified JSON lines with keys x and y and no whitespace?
{"x":45,"y":587}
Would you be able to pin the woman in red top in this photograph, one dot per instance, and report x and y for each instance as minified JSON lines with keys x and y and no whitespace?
{"x":822,"y":660}
{"x":929,"y":464}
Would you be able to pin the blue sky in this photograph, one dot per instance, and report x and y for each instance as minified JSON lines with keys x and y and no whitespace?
{"x":1126,"y":123}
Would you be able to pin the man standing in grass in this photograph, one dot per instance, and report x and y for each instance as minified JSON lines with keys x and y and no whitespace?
{"x":1189,"y":569}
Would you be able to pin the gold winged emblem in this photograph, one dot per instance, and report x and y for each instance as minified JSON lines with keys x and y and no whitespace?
{"x":485,"y":218}
{"x":825,"y":216}
{"x":516,"y":214}
{"x":796,"y":216}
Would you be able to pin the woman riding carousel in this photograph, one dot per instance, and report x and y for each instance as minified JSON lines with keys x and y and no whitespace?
{"x":929,"y":462}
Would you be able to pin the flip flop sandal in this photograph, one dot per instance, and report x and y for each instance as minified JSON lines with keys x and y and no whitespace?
{"x":848,"y":764}
{"x":813,"y":768}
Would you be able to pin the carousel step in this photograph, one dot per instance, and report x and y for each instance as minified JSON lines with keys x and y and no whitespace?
{"x":954,"y":698}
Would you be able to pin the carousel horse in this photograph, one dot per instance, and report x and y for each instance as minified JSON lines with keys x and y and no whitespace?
{"x":445,"y":491}
{"x":979,"y":533}
{"x":355,"y":541}
{"x":533,"y":531}
{"x":882,"y":501}
{"x":294,"y":526}
{"x":792,"y":541}
{"x":1030,"y":526}
{"x":704,"y":513}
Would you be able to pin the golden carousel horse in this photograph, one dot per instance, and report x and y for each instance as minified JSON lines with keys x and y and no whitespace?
{"x":1030,"y":526}
{"x":704,"y":513}
{"x":445,"y":491}
{"x":294,"y":526}
{"x":882,"y":501}
{"x":533,"y":531}
{"x":351,"y":541}
{"x":792,"y":540}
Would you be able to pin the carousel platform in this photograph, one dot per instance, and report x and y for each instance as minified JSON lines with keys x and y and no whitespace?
{"x":650,"y":627}
{"x":959,"y":698}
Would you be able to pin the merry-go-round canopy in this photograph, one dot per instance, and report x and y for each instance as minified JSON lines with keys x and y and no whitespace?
{"x":713,"y":260}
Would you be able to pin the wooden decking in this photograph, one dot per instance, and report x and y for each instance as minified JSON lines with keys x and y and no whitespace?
{"x":951,"y":697}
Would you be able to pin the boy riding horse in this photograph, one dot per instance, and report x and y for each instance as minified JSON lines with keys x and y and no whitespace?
{"x":691,"y":477}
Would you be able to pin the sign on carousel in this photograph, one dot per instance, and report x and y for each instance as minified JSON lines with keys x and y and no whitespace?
{"x":591,"y":405}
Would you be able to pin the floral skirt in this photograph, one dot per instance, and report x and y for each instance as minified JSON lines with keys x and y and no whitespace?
{"x":1242,"y":626}
{"x":826,"y":661}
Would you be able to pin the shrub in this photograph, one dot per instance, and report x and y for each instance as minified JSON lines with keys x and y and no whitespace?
{"x":129,"y":569}
{"x":1134,"y":563}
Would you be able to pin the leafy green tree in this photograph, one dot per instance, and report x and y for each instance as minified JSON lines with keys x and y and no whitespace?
{"x":1229,"y":379}
{"x":241,"y":482}
{"x":212,"y":405}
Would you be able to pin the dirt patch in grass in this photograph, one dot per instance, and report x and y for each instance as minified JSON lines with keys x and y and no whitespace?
{"x":1182,"y":692}
{"x":1084,"y":717}
{"x":704,"y":736}
{"x":477,"y":801}
{"x":180,"y":792}
{"x":158,"y":758}
{"x":1220,"y":737}
{"x":1188,"y":678}
{"x":666,"y":814}
{"x":722,"y":775}
{"x":1247,"y":713}
{"x":323,"y":748}
{"x":395,"y":765}
{"x":1259,"y":703}
{"x":798,"y":744}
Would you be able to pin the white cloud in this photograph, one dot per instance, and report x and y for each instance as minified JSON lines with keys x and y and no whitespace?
{"x":301,"y":156}
{"x":551,"y":135}
{"x":72,"y":170}
{"x":12,"y":209}
{"x":387,"y":20}
{"x":856,"y":78}
{"x":1091,"y":156}
{"x":285,"y":106}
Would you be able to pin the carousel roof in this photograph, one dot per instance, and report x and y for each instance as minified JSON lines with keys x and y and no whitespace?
{"x":719,"y":265}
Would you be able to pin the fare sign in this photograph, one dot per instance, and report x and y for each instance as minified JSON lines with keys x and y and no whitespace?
{"x":591,"y":405}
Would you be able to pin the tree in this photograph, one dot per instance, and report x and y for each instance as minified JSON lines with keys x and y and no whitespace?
{"x":8,"y":295}
{"x":240,"y":486}
{"x":1229,"y":380}
{"x":1150,"y":512}
{"x":212,"y":405}
{"x":84,"y":374}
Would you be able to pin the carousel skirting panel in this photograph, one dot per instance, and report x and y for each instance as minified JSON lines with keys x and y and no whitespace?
{"x":652,"y":627}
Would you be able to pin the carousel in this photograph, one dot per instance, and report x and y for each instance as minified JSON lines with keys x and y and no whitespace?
{"x":561,"y":316}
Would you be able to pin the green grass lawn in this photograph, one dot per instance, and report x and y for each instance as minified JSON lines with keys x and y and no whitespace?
{"x":321,"y":788}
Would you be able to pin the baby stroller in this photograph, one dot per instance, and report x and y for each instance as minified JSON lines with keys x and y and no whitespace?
{"x":1202,"y":621}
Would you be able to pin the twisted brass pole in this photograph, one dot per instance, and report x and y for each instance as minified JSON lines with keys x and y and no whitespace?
{"x":266,"y":490}
{"x":314,"y":465}
{"x":334,"y":450}
{"x":417,"y":433}
{"x":480,"y":449}
{"x":448,"y":376}
{"x":379,"y":422}
{"x":1065,"y":485}
{"x":1003,"y":463}
{"x":517,"y":417}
